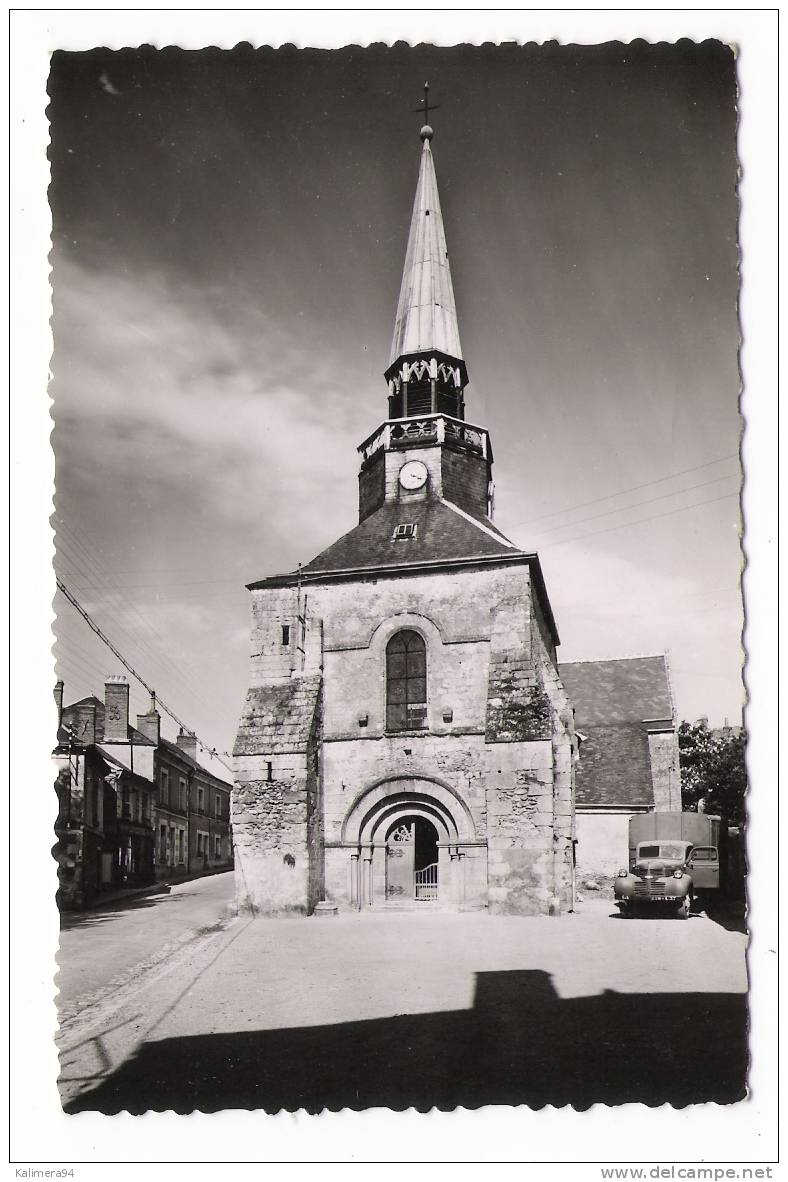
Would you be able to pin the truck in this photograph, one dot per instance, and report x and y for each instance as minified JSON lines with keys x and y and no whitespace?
{"x":673,"y":858}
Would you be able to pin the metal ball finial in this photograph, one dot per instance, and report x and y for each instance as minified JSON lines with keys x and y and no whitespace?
{"x":426,"y":132}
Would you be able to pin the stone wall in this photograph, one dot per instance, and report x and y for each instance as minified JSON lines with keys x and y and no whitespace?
{"x":663,"y":750}
{"x":275,"y":800}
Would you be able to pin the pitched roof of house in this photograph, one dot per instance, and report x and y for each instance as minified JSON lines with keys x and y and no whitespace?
{"x":631,"y":689}
{"x":174,"y":749}
{"x":70,"y":712}
{"x":613,"y":700}
{"x":614,"y":767}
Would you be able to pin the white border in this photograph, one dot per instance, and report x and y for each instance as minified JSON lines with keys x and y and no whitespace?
{"x":40,"y":1133}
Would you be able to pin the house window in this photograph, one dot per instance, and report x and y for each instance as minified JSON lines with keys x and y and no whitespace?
{"x":182,"y":792}
{"x":285,"y":634}
{"x":217,"y":848}
{"x":217,"y":805}
{"x":406,"y":682}
{"x":163,"y":845}
{"x":181,"y":835}
{"x":200,"y":800}
{"x":165,"y":786}
{"x":406,"y":530}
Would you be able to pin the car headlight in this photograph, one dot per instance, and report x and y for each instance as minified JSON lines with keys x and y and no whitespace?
{"x":678,"y":873}
{"x":623,"y":873}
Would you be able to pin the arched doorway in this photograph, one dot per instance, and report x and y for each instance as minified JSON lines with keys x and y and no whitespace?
{"x":436,"y":827}
{"x":412,"y":860}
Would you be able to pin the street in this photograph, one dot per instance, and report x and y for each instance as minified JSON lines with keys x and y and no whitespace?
{"x":99,"y":948}
{"x":403,"y":1010}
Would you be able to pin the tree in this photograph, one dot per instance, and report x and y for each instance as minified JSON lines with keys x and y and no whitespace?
{"x":713,"y":771}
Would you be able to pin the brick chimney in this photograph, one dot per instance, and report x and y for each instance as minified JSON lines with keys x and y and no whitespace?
{"x":188,"y":744}
{"x":116,"y":715}
{"x":150,"y":724}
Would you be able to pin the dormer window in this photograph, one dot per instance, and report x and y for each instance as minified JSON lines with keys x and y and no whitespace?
{"x":404,"y":531}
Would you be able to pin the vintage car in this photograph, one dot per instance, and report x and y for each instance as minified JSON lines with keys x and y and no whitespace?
{"x":664,"y":872}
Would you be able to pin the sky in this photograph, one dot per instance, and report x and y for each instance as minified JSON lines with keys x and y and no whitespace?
{"x":229,"y":230}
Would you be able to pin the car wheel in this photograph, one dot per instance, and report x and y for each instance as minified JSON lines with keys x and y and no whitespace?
{"x":684,"y":907}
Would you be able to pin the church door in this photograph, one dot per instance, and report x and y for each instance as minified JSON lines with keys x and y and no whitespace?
{"x":400,"y":861}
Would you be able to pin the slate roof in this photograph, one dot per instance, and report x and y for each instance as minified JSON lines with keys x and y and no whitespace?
{"x":613,"y":700}
{"x":614,"y":767}
{"x":442,"y":534}
{"x":278,"y":718}
{"x":631,"y":689}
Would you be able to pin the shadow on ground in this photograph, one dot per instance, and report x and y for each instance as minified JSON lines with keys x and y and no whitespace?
{"x":112,"y":910}
{"x":520,"y":1043}
{"x":729,"y":914}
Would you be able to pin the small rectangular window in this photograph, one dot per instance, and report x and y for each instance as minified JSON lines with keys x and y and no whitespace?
{"x":269,"y":771}
{"x":285,"y":634}
{"x":405,"y":531}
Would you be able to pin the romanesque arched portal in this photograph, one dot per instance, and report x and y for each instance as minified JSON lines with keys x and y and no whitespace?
{"x":392,"y":828}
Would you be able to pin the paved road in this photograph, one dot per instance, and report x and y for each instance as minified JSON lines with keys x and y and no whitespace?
{"x":418,"y":1010}
{"x":103,"y":946}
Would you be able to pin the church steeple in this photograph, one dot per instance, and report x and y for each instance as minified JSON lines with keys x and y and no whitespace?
{"x":426,"y":372}
{"x":426,"y":452}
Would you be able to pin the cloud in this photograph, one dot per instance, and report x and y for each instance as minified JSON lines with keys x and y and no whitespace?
{"x":180,"y":389}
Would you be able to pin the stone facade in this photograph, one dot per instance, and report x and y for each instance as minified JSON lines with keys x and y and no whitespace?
{"x":423,"y":616}
{"x":321,"y":783}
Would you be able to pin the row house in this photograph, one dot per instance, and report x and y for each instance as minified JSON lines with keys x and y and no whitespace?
{"x":106,"y":797}
{"x":193,"y":833}
{"x":133,"y":807}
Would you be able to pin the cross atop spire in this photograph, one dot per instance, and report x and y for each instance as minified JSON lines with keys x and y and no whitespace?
{"x":424,"y":109}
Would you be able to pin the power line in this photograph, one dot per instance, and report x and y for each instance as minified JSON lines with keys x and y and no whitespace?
{"x":622,"y":492}
{"x":637,"y":504}
{"x":156,"y":654}
{"x":639,"y":521}
{"x":127,"y":665}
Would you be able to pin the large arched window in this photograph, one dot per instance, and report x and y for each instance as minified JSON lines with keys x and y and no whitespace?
{"x":406,"y":682}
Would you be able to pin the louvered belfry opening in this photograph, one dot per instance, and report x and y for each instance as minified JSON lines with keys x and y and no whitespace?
{"x":406,"y":682}
{"x":448,"y":400}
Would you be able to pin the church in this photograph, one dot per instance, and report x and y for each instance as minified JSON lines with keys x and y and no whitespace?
{"x":406,"y":740}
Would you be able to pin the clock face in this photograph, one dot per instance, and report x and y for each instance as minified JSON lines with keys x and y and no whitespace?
{"x":413,"y":474}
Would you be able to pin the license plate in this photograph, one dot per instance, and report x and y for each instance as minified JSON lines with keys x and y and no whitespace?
{"x":660,"y":898}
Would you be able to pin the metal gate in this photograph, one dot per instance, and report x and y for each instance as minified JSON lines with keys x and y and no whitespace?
{"x":427,"y":883}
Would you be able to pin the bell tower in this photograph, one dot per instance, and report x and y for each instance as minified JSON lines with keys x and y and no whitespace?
{"x":425,"y":448}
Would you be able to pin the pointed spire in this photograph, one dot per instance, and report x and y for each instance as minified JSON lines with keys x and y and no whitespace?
{"x":426,"y":314}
